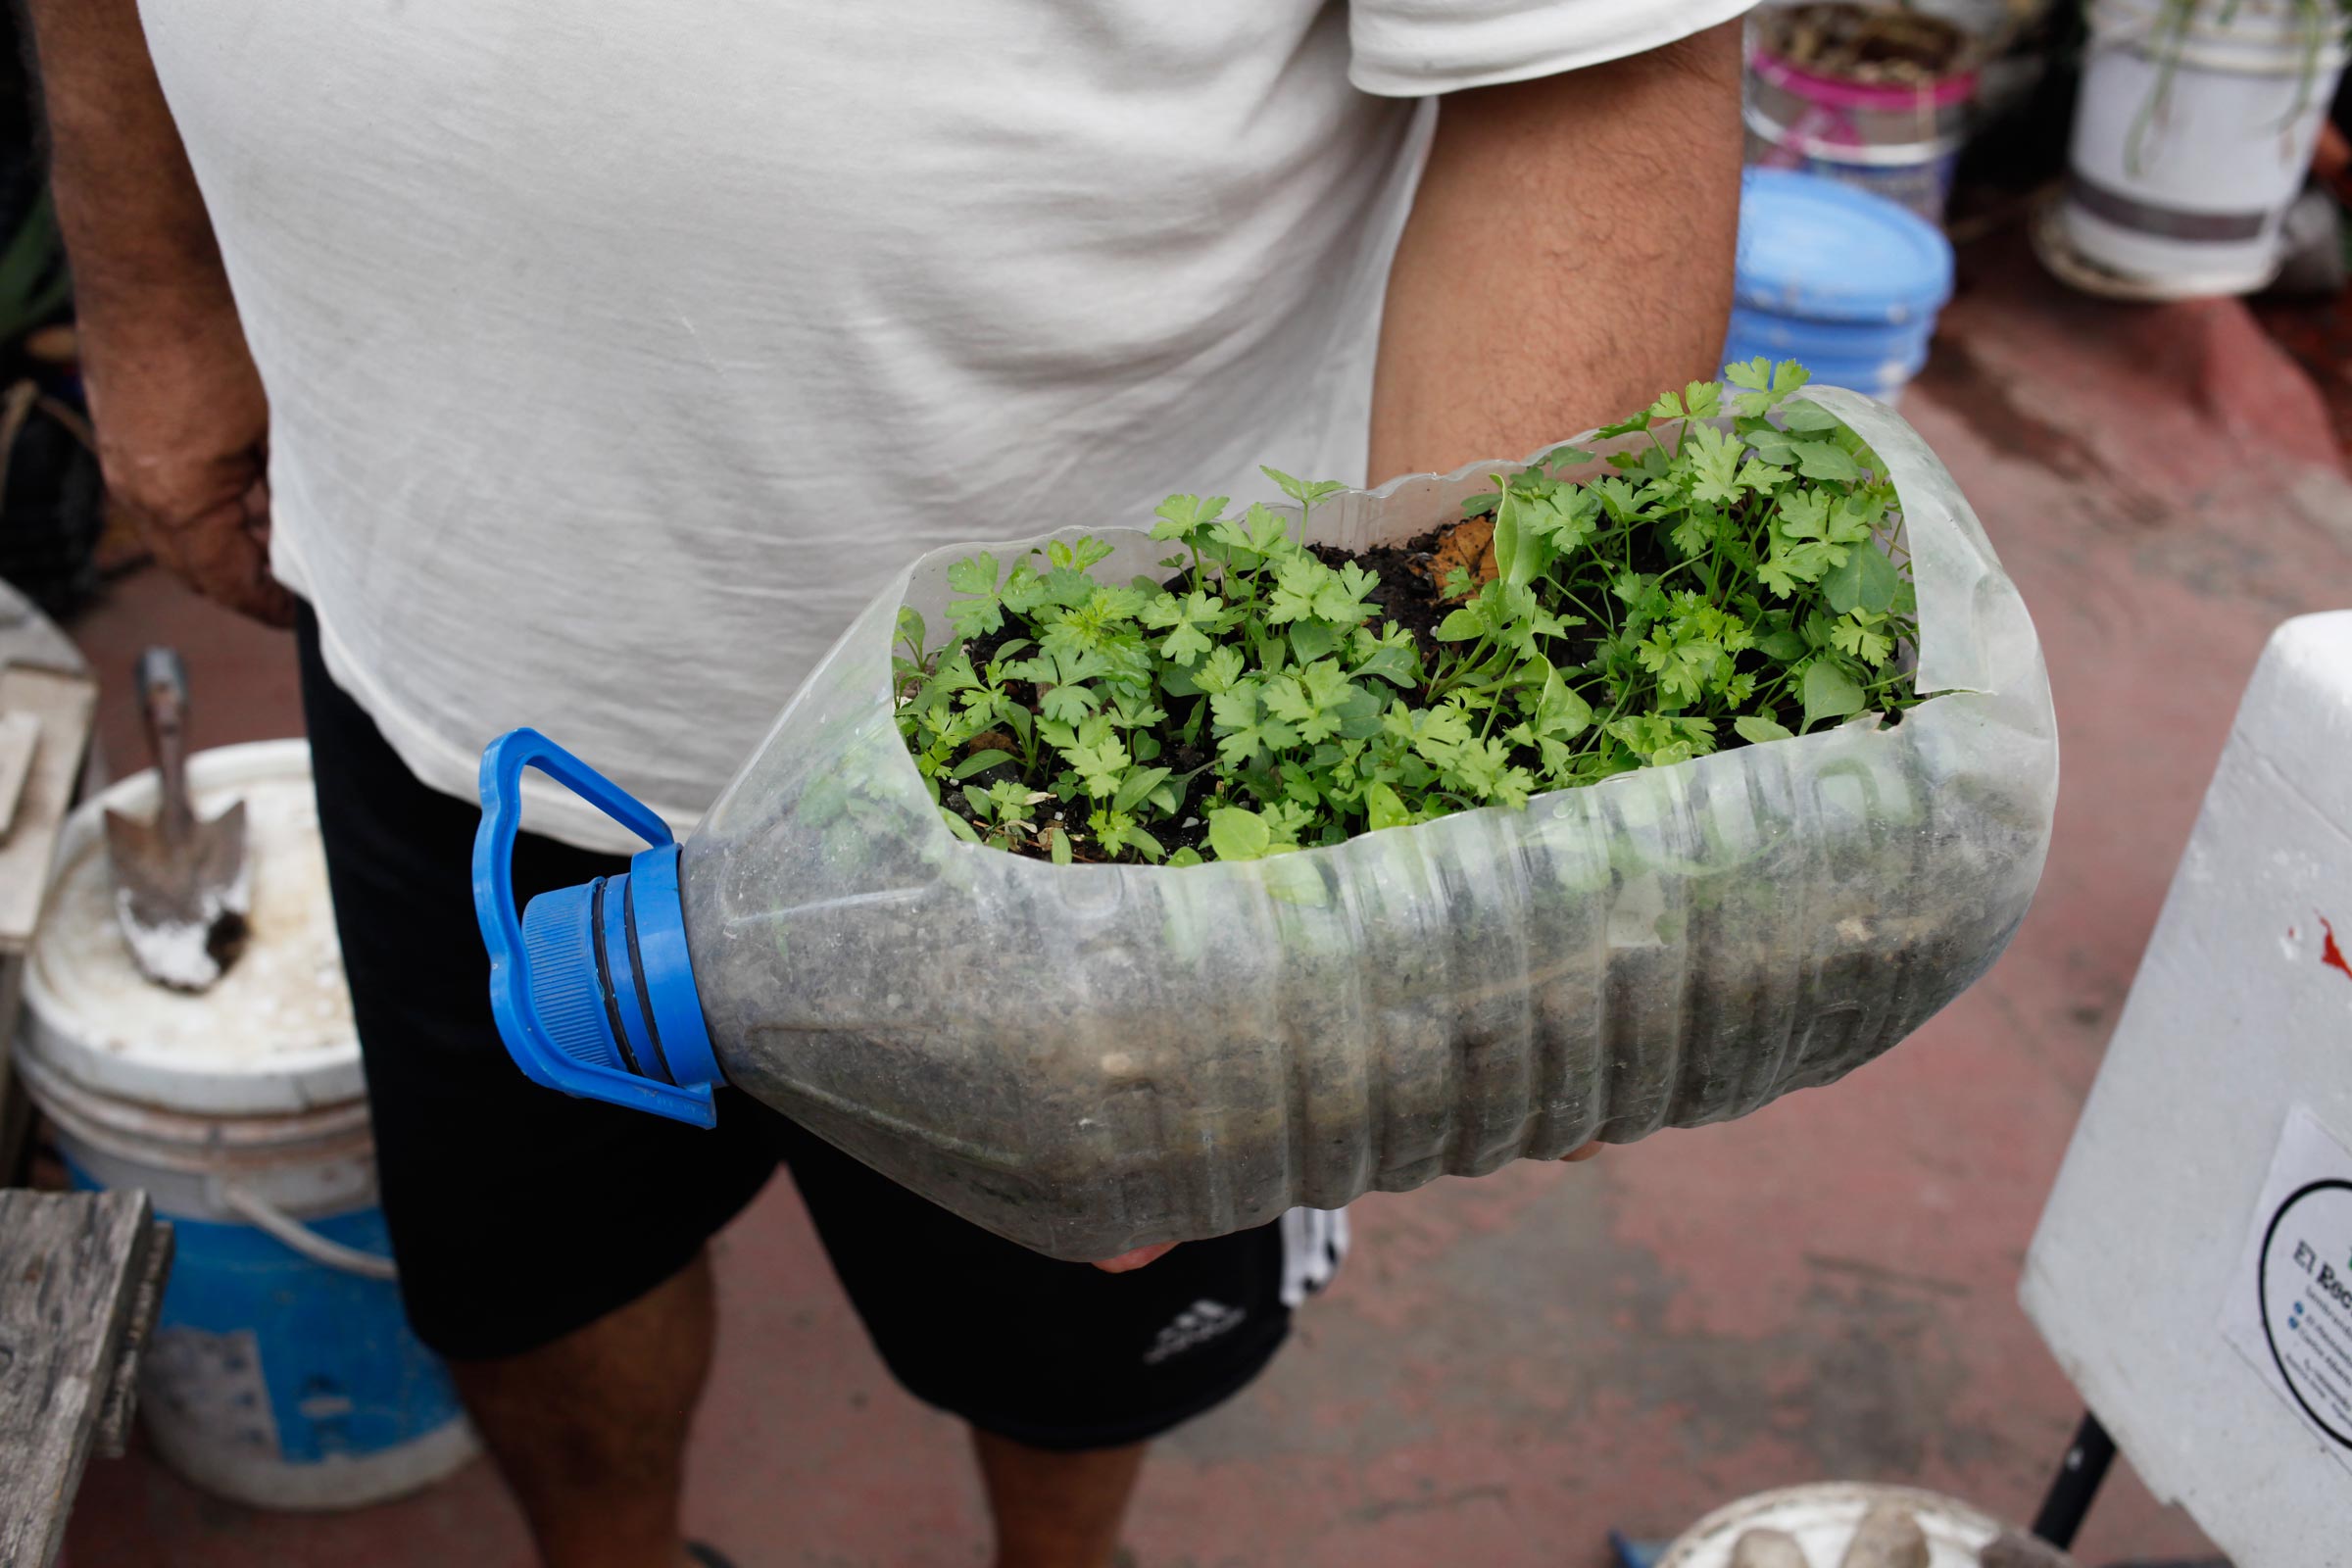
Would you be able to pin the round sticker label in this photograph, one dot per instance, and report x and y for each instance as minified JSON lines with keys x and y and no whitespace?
{"x":2305,"y":1281}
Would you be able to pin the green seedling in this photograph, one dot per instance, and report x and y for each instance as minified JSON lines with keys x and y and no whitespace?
{"x":1728,"y":582}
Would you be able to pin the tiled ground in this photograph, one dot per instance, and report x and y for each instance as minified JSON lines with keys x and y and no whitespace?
{"x":1508,"y":1367}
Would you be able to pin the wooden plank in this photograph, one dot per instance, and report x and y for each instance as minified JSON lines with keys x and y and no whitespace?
{"x":113,"y":1437}
{"x":66,"y":703}
{"x":19,"y":741}
{"x":72,"y":1266}
{"x":16,"y":1105}
{"x":28,"y":637}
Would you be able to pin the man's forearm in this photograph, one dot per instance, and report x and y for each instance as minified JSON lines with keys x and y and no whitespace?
{"x":1569,"y":254}
{"x":134,"y":221}
{"x":181,"y":418}
{"x":126,"y":200}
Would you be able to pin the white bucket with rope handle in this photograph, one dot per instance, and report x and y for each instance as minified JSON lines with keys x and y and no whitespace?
{"x":282,"y":1372}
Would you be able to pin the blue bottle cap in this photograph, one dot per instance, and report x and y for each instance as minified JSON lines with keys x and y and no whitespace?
{"x":593,"y":987}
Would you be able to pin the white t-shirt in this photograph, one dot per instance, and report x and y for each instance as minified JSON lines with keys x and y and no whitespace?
{"x":618,"y":353}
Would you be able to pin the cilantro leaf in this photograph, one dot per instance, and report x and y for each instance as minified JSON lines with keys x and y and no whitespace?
{"x":1295,"y":585}
{"x":1238,"y":833}
{"x":975,"y":574}
{"x":1865,"y":580}
{"x":1306,"y":492}
{"x":979,"y":616}
{"x":1220,"y":670}
{"x":1181,"y":517}
{"x":1243,"y":731}
{"x":1714,"y":459}
{"x":1383,"y":808}
{"x":1858,"y":635}
{"x":1067,"y":704}
{"x":1825,"y":460}
{"x":1830,"y":692}
{"x":1765,"y":384}
{"x":1189,"y":620}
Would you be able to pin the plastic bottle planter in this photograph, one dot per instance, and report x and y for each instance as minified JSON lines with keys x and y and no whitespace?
{"x":1087,"y":1058}
{"x":2189,"y":143}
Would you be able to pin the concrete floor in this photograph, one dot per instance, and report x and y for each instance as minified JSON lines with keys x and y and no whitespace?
{"x":1508,"y":1367}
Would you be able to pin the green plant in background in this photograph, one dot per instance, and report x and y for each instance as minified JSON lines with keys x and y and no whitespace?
{"x":1716,"y":586}
{"x":34,"y":280}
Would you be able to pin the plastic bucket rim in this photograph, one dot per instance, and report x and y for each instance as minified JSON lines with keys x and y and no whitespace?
{"x":1853,"y":154}
{"x":1839,"y":340}
{"x":2237,"y":46}
{"x":1935,"y":250}
{"x":1841,"y":92}
{"x":163,"y":1127}
{"x":1711,"y":1530}
{"x":1834,"y":313}
{"x":73,"y":1044}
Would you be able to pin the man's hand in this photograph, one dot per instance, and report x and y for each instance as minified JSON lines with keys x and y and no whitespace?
{"x":1569,"y":254}
{"x":181,"y":419}
{"x":183,"y":437}
{"x":1126,"y":1262}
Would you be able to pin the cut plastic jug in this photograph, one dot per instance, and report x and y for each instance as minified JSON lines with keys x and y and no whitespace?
{"x":1088,"y":1059}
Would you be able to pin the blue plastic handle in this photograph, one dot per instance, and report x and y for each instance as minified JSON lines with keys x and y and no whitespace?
{"x":527,"y":1039}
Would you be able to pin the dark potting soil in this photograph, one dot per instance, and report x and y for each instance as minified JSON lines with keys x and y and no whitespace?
{"x":1874,"y":45}
{"x":1412,"y":594}
{"x":1408,"y":588}
{"x":1187,"y":831}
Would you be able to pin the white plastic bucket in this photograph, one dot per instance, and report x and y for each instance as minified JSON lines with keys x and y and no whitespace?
{"x":1823,"y":1517}
{"x":2179,"y":185}
{"x":282,"y":1373}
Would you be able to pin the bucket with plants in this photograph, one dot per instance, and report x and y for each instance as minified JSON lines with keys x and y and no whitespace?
{"x":1875,"y":95}
{"x":1130,"y":884}
{"x":2192,"y":135}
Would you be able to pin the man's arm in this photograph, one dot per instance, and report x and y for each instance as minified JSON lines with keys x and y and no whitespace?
{"x":1569,"y":255}
{"x":183,"y":424}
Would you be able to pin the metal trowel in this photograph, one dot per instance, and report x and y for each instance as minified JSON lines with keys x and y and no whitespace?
{"x":181,"y":890}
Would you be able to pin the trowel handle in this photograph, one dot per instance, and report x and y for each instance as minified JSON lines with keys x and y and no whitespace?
{"x":163,"y":686}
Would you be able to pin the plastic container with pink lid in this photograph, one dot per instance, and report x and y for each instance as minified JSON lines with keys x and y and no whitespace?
{"x":1827,"y":95}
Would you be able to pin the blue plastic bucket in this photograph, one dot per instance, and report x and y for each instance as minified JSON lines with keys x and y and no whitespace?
{"x":1844,"y":281}
{"x":282,"y":1372}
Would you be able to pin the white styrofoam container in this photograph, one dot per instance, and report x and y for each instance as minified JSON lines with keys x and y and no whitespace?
{"x":2236,"y":1019}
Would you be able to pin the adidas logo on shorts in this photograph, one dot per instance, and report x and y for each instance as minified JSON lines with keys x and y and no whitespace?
{"x":1195,"y":1326}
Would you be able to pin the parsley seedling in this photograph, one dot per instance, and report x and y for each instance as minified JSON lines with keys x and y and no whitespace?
{"x":1729,"y":582}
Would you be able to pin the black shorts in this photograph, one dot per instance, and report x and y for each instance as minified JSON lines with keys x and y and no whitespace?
{"x":519,"y":1214}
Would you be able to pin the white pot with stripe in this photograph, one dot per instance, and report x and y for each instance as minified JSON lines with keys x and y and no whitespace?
{"x":2193,"y":132}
